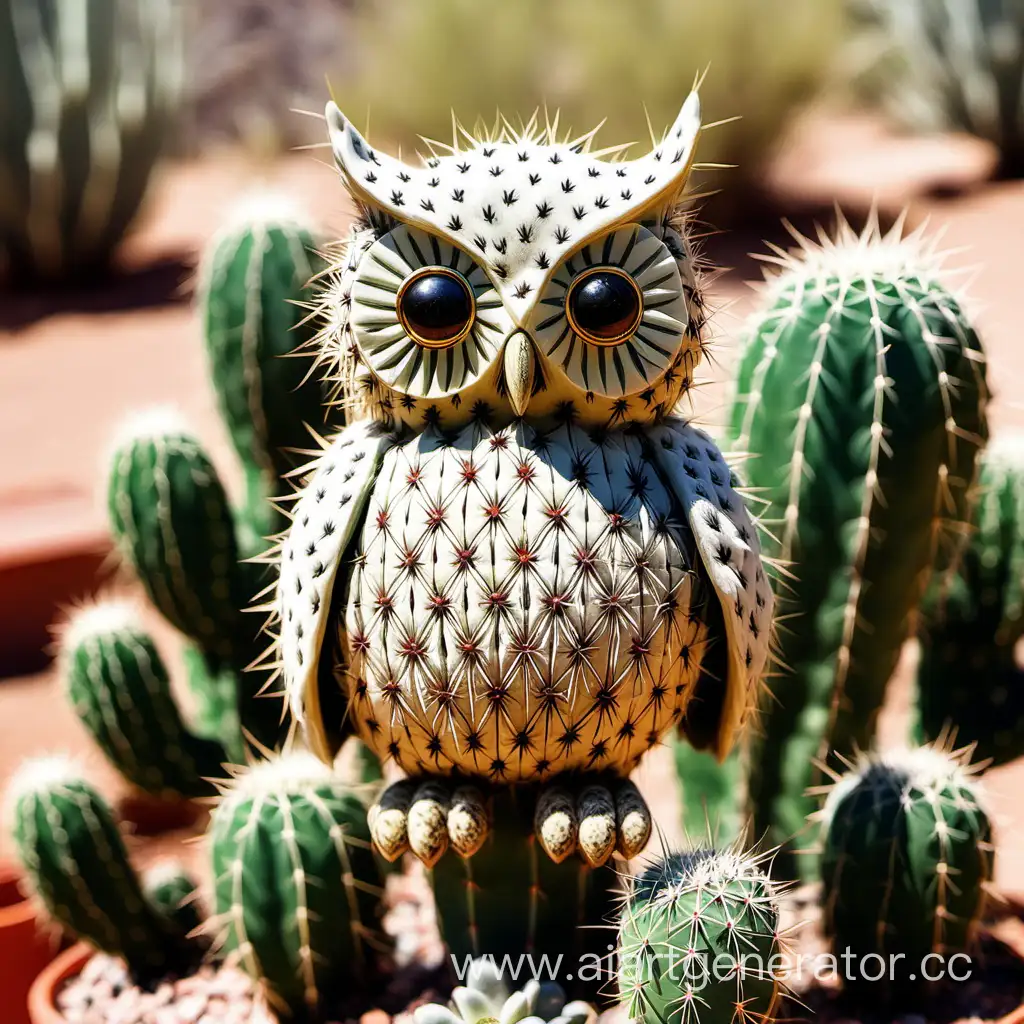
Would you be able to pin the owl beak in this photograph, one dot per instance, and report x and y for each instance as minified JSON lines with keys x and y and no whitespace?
{"x":520,"y":365}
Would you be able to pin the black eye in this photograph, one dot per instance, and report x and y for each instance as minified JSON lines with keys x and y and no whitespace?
{"x":604,"y":305}
{"x":436,"y":307}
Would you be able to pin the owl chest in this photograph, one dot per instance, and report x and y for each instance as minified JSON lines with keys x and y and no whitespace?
{"x":496,"y":582}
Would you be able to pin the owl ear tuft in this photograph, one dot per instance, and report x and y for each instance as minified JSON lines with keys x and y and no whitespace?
{"x":348,"y":145}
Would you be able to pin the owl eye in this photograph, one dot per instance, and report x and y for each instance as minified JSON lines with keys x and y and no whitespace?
{"x":604,"y":306}
{"x":436,"y":307}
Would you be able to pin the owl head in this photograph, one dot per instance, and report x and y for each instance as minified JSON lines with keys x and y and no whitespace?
{"x":516,"y":275}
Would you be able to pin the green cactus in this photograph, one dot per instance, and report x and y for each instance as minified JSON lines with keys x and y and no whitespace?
{"x":118,"y":686}
{"x":510,"y":898}
{"x":195,"y":554}
{"x":296,"y":883}
{"x":861,"y":402}
{"x":86,"y":94}
{"x":907,"y":855}
{"x":255,"y":310}
{"x":711,"y":792}
{"x":75,"y":860}
{"x":956,"y":64}
{"x":486,"y":997}
{"x":968,"y":678}
{"x":172,"y":890}
{"x":699,"y":940}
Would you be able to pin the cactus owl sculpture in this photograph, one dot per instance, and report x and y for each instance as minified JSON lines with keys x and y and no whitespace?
{"x":508,"y":573}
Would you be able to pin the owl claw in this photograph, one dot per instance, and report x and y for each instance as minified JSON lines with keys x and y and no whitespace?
{"x":599,"y":821}
{"x":425,"y":817}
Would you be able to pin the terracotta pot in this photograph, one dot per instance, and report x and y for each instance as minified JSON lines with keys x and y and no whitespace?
{"x":42,"y":999}
{"x":24,"y":949}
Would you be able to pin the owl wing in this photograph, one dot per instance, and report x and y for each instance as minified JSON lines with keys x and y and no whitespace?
{"x":324,"y":520}
{"x":727,"y":540}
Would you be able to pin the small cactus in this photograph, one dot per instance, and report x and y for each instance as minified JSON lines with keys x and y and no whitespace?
{"x":74,"y":858}
{"x":907,"y":856}
{"x":118,"y":686}
{"x":88,"y":90}
{"x":296,"y":884}
{"x":861,"y":401}
{"x":968,"y":679}
{"x":486,"y":997}
{"x":173,"y":890}
{"x":699,"y":940}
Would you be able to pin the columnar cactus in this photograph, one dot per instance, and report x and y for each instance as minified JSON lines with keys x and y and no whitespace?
{"x":119,"y":687}
{"x":296,"y":884}
{"x":961,"y":65}
{"x":907,"y":856}
{"x":699,"y":940}
{"x":169,"y":512}
{"x":861,"y":400}
{"x":86,"y":93}
{"x":486,"y":997}
{"x":254,"y":296}
{"x":170,"y":887}
{"x":968,"y":679}
{"x":508,"y":897}
{"x":75,"y":860}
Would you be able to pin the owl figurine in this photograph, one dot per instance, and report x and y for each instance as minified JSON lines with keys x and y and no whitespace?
{"x":519,"y":566}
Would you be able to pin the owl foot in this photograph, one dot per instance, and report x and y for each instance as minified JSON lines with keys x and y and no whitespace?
{"x":596,"y":820}
{"x":426,"y":816}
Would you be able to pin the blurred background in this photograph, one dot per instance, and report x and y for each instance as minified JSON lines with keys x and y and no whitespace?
{"x":129,"y":129}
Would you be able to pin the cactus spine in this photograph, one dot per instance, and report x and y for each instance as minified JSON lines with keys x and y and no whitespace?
{"x":968,"y":679}
{"x":72,"y":852}
{"x":296,"y":884}
{"x":907,"y":855}
{"x":961,"y":65}
{"x":486,"y":997}
{"x":699,"y":940}
{"x":119,"y":687}
{"x":86,"y":93}
{"x":861,"y":400}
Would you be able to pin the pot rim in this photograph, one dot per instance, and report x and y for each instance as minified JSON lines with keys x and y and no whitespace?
{"x":22,"y":910}
{"x":42,"y":1004}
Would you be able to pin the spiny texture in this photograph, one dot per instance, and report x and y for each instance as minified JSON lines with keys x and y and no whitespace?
{"x":961,"y":65}
{"x":296,"y":885}
{"x":254,"y":285}
{"x":696,"y":941}
{"x":968,"y":678}
{"x":907,"y":856}
{"x":119,"y":687}
{"x":485,"y":996}
{"x":86,"y":91}
{"x":507,"y":897}
{"x":861,"y":401}
{"x":72,"y":852}
{"x":522,"y":602}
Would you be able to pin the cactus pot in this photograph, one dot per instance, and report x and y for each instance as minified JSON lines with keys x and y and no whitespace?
{"x":42,"y":998}
{"x":24,"y":949}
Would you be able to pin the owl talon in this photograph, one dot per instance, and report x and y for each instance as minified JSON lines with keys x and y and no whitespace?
{"x":599,"y":821}
{"x":425,"y":817}
{"x":388,"y":820}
